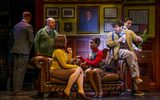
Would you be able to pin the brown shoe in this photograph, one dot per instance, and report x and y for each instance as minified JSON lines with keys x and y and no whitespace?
{"x":138,"y":93}
{"x":138,"y":80}
{"x":20,"y":93}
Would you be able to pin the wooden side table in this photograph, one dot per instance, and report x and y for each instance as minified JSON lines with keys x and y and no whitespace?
{"x":145,"y":65}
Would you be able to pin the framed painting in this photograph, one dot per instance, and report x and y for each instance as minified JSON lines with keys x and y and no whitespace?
{"x":68,"y":12}
{"x":140,"y":18}
{"x":108,"y":26}
{"x":88,"y":19}
{"x":52,"y":12}
{"x":110,"y":12}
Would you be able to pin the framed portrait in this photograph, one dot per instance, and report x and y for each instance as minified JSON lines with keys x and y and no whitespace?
{"x":140,"y":18}
{"x":88,"y":19}
{"x":57,"y":26}
{"x":68,"y":12}
{"x":108,"y":26}
{"x":52,"y":12}
{"x":110,"y":12}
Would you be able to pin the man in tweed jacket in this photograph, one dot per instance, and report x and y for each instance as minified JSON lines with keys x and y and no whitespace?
{"x":121,"y":46}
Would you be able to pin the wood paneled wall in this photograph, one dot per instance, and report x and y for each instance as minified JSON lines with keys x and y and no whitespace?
{"x":80,"y":44}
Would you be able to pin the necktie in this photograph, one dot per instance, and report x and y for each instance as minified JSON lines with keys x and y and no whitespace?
{"x":50,"y":32}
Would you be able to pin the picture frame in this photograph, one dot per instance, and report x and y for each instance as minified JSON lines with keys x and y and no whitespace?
{"x":68,"y":26}
{"x":52,"y":12}
{"x":110,"y":12}
{"x":140,"y":17}
{"x":108,"y":26}
{"x":88,"y":19}
{"x":68,"y":12}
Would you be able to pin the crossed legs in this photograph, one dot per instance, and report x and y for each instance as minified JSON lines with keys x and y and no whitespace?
{"x":71,"y":75}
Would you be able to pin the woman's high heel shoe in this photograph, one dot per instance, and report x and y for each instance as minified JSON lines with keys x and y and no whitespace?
{"x":83,"y":96}
{"x":100,"y":95}
{"x":68,"y":96}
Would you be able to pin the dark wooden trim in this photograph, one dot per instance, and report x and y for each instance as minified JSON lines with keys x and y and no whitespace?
{"x":38,"y":14}
{"x":157,"y":47}
{"x":81,"y":2}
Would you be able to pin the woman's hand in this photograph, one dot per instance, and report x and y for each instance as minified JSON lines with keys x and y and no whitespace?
{"x":69,"y":50}
{"x":83,"y":64}
{"x":79,"y":57}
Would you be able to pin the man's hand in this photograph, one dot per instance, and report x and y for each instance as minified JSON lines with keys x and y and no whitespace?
{"x":139,"y":39}
{"x":37,"y":54}
{"x":120,"y":40}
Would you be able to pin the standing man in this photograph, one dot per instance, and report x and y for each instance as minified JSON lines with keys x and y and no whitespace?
{"x":44,"y":45}
{"x":23,"y":40}
{"x":44,"y":39}
{"x":121,"y":47}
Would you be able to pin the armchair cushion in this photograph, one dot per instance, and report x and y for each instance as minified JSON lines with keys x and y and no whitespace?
{"x":110,"y":77}
{"x":56,"y":81}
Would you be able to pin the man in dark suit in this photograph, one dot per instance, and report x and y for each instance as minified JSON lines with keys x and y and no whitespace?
{"x":23,"y":41}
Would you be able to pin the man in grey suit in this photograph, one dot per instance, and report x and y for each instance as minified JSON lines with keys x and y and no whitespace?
{"x":23,"y":41}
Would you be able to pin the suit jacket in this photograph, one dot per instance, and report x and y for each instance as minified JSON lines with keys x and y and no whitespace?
{"x":23,"y":38}
{"x":130,"y":36}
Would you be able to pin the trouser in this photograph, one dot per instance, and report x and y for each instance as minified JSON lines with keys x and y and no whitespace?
{"x":19,"y":70}
{"x":132,"y":64}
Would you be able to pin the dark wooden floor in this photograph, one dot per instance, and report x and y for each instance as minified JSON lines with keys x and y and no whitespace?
{"x":8,"y":95}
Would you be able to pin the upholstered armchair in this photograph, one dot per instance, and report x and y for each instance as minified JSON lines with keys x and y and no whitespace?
{"x":110,"y":82}
{"x":45,"y":82}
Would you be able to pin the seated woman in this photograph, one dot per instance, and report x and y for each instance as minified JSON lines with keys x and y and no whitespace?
{"x":61,"y":69}
{"x":94,"y":72}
